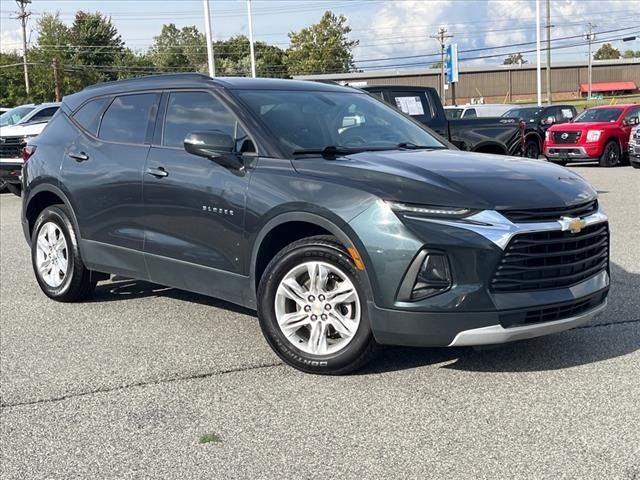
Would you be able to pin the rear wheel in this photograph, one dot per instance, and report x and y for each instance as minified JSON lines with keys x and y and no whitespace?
{"x":611,"y":154}
{"x":56,"y":259}
{"x":313,"y":309}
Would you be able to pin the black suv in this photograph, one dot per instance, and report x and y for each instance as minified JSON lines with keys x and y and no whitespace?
{"x":537,"y":122}
{"x":342,"y":221}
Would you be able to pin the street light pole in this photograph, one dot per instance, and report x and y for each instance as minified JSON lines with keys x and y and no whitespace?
{"x":23,"y":15}
{"x":549,"y":52}
{"x":538,"y":72}
{"x":209,"y":36}
{"x":253,"y":55}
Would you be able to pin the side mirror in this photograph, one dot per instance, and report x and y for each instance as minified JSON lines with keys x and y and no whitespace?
{"x":214,"y":145}
{"x":632,"y":121}
{"x":550,"y":120}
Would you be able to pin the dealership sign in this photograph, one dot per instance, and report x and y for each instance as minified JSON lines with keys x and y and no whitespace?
{"x":451,"y":63}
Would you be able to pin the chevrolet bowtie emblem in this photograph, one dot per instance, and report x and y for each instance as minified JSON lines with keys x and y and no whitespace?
{"x":574,"y":225}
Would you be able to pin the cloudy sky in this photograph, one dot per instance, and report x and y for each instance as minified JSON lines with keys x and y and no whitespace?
{"x":392,"y":33}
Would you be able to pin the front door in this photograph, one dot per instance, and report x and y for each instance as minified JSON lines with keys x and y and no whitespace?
{"x":194,"y":207}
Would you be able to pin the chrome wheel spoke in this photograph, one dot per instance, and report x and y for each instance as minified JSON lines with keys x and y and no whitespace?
{"x":343,"y":325}
{"x":318,"y":339}
{"x":291,"y":289}
{"x":290,"y":323}
{"x":345,"y":293}
{"x":318,"y":274}
{"x":52,"y":259}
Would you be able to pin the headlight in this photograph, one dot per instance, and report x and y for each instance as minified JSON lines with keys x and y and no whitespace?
{"x":430,"y":210}
{"x":547,"y":135}
{"x":593,"y":135}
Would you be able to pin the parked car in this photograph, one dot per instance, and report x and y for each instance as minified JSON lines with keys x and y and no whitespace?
{"x":4,"y":110}
{"x":486,"y":135}
{"x":475,"y":111}
{"x":634,"y":147}
{"x":345,"y":223}
{"x":23,"y":123}
{"x":599,"y":133}
{"x":538,"y":120}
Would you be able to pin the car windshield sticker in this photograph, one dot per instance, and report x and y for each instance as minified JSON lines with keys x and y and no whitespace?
{"x":410,"y":105}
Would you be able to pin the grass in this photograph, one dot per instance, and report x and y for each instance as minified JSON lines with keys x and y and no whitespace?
{"x":210,"y":438}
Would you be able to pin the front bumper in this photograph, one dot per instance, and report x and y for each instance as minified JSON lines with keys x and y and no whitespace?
{"x":568,"y":153}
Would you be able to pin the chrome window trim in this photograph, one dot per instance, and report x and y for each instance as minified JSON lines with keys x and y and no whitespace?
{"x":495,"y":227}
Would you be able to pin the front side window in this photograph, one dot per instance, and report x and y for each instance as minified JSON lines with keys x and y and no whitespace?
{"x":195,"y":111}
{"x":599,"y":115}
{"x":529,"y":115}
{"x":314,"y":120}
{"x":14,"y":116}
{"x":127,"y":118}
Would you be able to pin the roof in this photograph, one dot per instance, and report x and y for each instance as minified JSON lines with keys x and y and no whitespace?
{"x":186,"y":80}
{"x":608,"y":86}
{"x":618,"y":105}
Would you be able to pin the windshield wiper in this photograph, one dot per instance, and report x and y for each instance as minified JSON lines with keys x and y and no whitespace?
{"x":330,"y":151}
{"x":413,"y":146}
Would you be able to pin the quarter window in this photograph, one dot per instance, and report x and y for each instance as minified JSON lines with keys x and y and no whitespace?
{"x":44,"y":115}
{"x":88,"y":116}
{"x":193,"y":111}
{"x":127,"y":118}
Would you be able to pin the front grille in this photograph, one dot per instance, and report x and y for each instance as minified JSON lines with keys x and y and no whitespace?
{"x":525,"y":215}
{"x":11,"y":147}
{"x":552,"y":259}
{"x":553,"y":312}
{"x":569,"y":137}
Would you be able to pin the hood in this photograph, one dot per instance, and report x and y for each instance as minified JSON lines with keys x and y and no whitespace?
{"x":453,"y":178}
{"x":572,"y":127}
{"x":21,"y":130}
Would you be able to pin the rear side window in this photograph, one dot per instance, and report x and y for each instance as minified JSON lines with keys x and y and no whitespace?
{"x":89,"y":114}
{"x":412,"y":103}
{"x":470,"y":113}
{"x":127,"y":118}
{"x":44,"y":115}
{"x":192,"y":111}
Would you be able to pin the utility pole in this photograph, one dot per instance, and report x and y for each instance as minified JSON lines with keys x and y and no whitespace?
{"x":442,"y":37}
{"x":549,"y":52}
{"x":56,"y":80}
{"x":253,"y":55}
{"x":590,"y":37}
{"x":23,"y":15}
{"x":209,"y":36}
{"x":538,"y":74}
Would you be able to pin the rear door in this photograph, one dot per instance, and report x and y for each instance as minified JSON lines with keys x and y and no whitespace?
{"x":102,"y":172}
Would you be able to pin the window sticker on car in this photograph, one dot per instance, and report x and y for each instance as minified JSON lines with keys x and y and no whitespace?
{"x":567,"y":113}
{"x":410,"y":105}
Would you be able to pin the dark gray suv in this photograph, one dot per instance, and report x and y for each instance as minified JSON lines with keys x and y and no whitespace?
{"x":343,"y":222}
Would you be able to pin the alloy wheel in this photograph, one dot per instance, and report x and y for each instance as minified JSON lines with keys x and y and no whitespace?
{"x":52,"y":255}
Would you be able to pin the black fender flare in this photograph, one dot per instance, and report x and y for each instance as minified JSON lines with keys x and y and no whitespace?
{"x":534,"y":136}
{"x":343,"y":233}
{"x":50,"y":188}
{"x":489,"y":143}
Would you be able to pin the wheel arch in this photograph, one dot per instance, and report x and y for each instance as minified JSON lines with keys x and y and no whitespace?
{"x":41,"y":197}
{"x":490,"y":147}
{"x":319,"y":225}
{"x":534,"y":136}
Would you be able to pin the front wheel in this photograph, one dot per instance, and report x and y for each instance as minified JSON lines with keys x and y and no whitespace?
{"x":611,"y":155}
{"x":55,"y":256}
{"x":532,"y":149}
{"x":313,"y":309}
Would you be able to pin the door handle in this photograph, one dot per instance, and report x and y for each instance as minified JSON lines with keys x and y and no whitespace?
{"x":158,"y":172}
{"x":80,"y":156}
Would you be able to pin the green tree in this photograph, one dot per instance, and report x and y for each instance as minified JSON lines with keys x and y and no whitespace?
{"x":515,"y":59}
{"x":233,"y":57}
{"x":12,"y":91}
{"x":631,"y":54}
{"x":179,"y":49}
{"x":607,"y":52}
{"x":323,"y":47}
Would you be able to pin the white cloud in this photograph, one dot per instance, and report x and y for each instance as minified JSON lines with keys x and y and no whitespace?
{"x":10,"y":40}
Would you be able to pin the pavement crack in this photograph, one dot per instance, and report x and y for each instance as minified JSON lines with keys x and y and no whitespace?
{"x":595,"y":325}
{"x":196,"y":376}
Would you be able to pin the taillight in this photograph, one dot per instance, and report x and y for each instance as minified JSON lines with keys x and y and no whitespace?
{"x":27,"y":152}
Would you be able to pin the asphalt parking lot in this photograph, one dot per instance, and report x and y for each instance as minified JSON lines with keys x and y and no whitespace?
{"x":126,"y":385}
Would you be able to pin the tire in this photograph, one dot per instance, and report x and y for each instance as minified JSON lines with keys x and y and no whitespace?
{"x":531,"y":149}
{"x":635,"y":165}
{"x":54,"y":237}
{"x":611,"y":155}
{"x":315,"y":314}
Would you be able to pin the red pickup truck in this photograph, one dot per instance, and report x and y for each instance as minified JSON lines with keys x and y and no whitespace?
{"x":598,"y":133}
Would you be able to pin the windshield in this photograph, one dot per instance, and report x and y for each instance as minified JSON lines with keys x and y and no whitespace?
{"x":526,"y":114}
{"x":314,"y":120}
{"x":453,"y":113}
{"x":14,"y":115}
{"x":599,"y":115}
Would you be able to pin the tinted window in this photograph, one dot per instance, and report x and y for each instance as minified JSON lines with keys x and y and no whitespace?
{"x":192,"y":111}
{"x":632,"y":113}
{"x":44,"y":115}
{"x":14,"y":115}
{"x":127,"y":118}
{"x":453,"y":113}
{"x":470,"y":113}
{"x":599,"y":115}
{"x":89,"y":114}
{"x":527,"y":114}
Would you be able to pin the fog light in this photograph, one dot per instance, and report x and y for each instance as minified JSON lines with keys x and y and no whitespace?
{"x":429,"y":274}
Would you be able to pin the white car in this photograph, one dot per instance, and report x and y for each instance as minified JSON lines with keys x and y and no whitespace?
{"x":476,"y":111}
{"x":634,"y":147}
{"x":17,"y":126}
